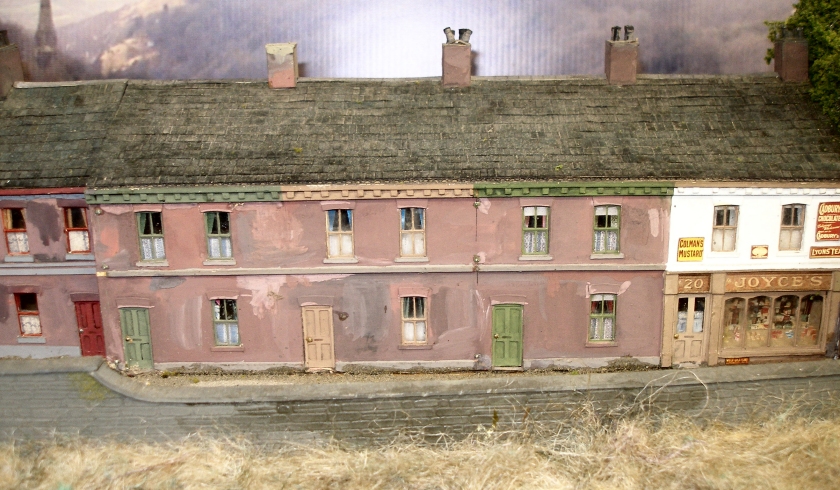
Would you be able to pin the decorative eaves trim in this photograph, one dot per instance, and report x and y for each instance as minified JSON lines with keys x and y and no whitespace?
{"x":184,"y":195}
{"x":375,"y":191}
{"x":574,"y":189}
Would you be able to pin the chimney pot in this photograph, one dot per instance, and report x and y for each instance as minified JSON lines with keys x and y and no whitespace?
{"x":450,"y":35}
{"x":457,"y":60}
{"x":282,"y":65}
{"x":621,"y":57}
{"x":791,"y":56}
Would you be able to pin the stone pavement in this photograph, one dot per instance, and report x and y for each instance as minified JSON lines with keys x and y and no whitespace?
{"x":82,"y":396}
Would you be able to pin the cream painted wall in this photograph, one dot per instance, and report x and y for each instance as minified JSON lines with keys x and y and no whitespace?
{"x":759,"y":220}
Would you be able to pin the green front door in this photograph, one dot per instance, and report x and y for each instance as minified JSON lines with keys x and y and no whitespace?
{"x":507,"y":336}
{"x":137,"y":342}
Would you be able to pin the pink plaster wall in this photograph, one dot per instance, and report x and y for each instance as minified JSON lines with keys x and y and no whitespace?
{"x":44,"y":227}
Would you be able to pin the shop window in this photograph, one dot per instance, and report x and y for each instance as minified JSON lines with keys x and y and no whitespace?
{"x":602,"y":317}
{"x":412,"y":232}
{"x":725,"y":228}
{"x":793,"y":223}
{"x":150,"y":228}
{"x":340,"y":233}
{"x":28,"y":315}
{"x":14,"y":224}
{"x":784,"y":321}
{"x":225,"y":322}
{"x":76,"y":229}
{"x":535,"y":230}
{"x":414,"y":320}
{"x":606,"y":239}
{"x":217,"y":227}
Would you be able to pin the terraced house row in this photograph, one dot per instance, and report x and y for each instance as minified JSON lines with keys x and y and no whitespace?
{"x":454,"y":222}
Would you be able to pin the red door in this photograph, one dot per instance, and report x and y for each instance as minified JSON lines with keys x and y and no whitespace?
{"x":89,"y":320}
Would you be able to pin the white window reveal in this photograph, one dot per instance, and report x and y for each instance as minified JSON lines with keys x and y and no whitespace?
{"x":340,"y":233}
{"x":150,"y":227}
{"x":535,"y":230}
{"x":793,"y":223}
{"x":225,"y":322}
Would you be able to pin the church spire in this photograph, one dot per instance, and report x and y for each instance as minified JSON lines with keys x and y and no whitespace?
{"x":46,"y":40}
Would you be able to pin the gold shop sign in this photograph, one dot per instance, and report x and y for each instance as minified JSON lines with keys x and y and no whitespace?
{"x":693,"y":284}
{"x":777,"y":282}
{"x":734,"y":361}
{"x":825,"y":252}
{"x":828,"y":221}
{"x":690,"y":249}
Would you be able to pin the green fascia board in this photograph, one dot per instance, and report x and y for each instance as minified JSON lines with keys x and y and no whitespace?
{"x":184,"y":195}
{"x":573,"y":189}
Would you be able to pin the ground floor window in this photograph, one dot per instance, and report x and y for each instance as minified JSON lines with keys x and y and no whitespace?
{"x":602,"y":317}
{"x":414,"y":320}
{"x":778,"y":320}
{"x":225,"y":322}
{"x":28,"y":315}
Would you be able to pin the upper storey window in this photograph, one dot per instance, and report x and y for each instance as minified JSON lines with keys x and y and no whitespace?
{"x":76,"y":229}
{"x":217,"y":226}
{"x":412,"y":232}
{"x":150,"y":228}
{"x":340,"y":233}
{"x":725,"y":228}
{"x":606,"y":230}
{"x":793,"y":223}
{"x":14,"y":224}
{"x":535,"y":230}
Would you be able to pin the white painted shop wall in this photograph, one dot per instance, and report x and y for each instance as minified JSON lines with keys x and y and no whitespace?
{"x":759,"y":221}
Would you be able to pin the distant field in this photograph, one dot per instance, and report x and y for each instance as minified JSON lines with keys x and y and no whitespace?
{"x":782,"y":452}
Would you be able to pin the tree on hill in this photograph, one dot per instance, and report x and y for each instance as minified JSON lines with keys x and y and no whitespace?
{"x":820,"y":20}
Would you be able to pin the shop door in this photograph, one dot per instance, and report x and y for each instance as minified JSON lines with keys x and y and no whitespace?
{"x":89,"y":320}
{"x":690,"y":330}
{"x":137,"y":340}
{"x":318,"y":349}
{"x":507,"y":336}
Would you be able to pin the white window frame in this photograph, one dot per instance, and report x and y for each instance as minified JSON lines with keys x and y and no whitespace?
{"x":792,"y":232}
{"x":412,"y":232}
{"x":725,"y":231}
{"x":225,"y":328}
{"x":151,"y":244}
{"x":414,"y":327}
{"x":219,"y":245}
{"x":340,"y":244}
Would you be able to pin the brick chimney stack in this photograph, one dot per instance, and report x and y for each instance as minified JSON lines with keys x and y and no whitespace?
{"x":11,"y":67}
{"x":791,"y":55}
{"x":457,"y":59}
{"x":621,"y":57}
{"x":282,"y":65}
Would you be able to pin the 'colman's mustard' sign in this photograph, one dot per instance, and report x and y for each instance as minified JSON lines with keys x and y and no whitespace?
{"x":828,"y":221}
{"x":690,"y":250}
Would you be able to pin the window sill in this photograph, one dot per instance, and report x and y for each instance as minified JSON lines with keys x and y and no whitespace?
{"x":19,"y":258}
{"x":219,"y":262}
{"x":411,"y":259}
{"x":34,"y":339}
{"x":227,"y":348}
{"x":607,"y":256}
{"x":341,"y":260}
{"x":152,"y":263}
{"x":536,"y":257}
{"x":605,"y":343}
{"x":414,"y":347}
{"x":79,"y":256}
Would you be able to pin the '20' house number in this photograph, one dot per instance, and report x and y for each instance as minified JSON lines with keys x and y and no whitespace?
{"x":693,"y":284}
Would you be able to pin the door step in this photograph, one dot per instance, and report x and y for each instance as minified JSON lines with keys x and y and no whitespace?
{"x":507,"y":368}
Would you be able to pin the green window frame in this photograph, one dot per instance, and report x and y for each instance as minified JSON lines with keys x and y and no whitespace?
{"x":415,"y":323}
{"x":225,"y":322}
{"x":535,"y":224}
{"x":217,"y":229}
{"x":606,"y":230}
{"x":602,"y":324}
{"x":150,"y":231}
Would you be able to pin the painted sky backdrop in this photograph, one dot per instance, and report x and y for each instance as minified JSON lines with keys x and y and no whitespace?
{"x":176,"y":39}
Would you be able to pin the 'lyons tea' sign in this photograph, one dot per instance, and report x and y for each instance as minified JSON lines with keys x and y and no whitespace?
{"x":828,"y":221}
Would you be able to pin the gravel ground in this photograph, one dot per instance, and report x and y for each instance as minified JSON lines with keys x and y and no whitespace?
{"x":241,"y":378}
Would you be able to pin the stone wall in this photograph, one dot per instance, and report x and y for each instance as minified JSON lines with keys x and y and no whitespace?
{"x":83,"y":396}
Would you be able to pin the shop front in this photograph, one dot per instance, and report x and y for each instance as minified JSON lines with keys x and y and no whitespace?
{"x":742,"y":317}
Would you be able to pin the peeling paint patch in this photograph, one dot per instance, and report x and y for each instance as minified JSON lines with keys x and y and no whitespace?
{"x":265,"y":292}
{"x":304,"y":280}
{"x":653,"y":215}
{"x":484,"y":205}
{"x":115,"y":209}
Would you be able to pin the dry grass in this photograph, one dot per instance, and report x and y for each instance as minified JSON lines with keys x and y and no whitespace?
{"x":669,"y":452}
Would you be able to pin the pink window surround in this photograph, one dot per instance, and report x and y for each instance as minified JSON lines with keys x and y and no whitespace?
{"x":331,"y":205}
{"x":207,"y":207}
{"x":406,"y":291}
{"x":151,"y":208}
{"x":545,"y":202}
{"x":222,"y":294}
{"x":413,"y":203}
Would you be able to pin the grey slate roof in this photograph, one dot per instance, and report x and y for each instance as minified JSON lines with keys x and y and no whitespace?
{"x":752,"y":128}
{"x":50,"y":132}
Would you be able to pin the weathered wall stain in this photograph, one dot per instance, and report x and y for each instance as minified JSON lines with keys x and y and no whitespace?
{"x":158,"y":283}
{"x":46,"y":218}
